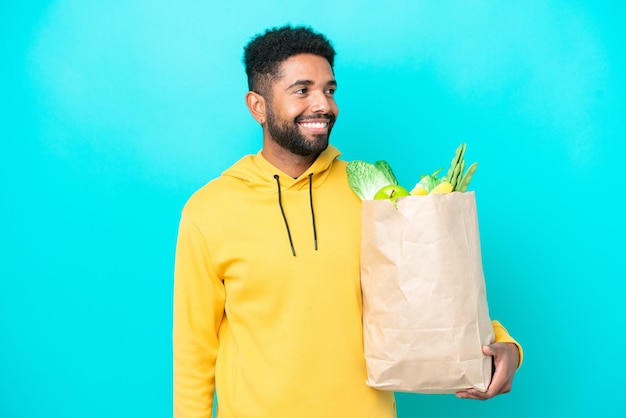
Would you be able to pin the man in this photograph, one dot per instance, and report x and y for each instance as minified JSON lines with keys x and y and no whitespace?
{"x":267,"y":293}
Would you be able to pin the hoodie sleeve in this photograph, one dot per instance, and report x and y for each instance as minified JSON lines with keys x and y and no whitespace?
{"x":502,"y":336}
{"x":198,"y":310}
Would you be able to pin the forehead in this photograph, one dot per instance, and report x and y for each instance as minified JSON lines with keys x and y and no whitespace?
{"x":306,"y":67}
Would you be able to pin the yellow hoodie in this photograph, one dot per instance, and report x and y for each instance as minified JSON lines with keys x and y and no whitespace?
{"x":267,"y":298}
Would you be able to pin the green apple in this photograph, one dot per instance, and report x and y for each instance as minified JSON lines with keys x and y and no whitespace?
{"x":391,"y":192}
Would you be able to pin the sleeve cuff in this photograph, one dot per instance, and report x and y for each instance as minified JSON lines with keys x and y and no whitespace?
{"x":502,"y":336}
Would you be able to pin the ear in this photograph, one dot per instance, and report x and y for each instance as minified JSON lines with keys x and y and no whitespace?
{"x":256,"y":106}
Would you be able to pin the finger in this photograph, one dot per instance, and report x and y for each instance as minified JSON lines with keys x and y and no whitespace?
{"x":488,"y":350}
{"x":493,"y":389}
{"x":472,"y":394}
{"x":499,"y":378}
{"x":496,"y":384}
{"x":494,"y":349}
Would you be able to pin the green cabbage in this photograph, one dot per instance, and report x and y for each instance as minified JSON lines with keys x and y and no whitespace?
{"x":365,"y":179}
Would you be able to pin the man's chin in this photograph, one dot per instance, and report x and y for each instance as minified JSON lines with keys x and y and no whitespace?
{"x":304,"y":145}
{"x":319,"y":145}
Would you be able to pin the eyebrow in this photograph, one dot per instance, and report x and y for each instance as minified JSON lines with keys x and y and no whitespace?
{"x":332,"y":83}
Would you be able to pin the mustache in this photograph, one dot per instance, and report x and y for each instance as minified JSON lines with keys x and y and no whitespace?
{"x":331,"y":117}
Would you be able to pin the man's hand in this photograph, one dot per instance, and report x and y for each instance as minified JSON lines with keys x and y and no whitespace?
{"x":505,"y":360}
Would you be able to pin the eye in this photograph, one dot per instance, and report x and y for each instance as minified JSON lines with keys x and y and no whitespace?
{"x":331,"y":91}
{"x":301,"y":91}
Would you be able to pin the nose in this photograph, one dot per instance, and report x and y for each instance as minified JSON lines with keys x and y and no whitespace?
{"x":320,"y":103}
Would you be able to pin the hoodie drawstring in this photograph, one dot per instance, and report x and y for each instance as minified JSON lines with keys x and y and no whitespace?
{"x":312,"y":211}
{"x":282,"y":211}
{"x":280,"y":203}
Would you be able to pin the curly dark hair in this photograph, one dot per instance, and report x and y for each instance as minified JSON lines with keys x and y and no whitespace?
{"x":264,"y":54}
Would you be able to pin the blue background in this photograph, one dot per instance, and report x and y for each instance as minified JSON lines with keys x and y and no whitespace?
{"x":114,"y":112}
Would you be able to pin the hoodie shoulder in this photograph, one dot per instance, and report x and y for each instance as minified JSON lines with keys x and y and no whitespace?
{"x":215,"y":190}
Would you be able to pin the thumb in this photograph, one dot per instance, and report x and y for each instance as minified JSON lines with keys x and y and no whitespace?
{"x":488,"y":350}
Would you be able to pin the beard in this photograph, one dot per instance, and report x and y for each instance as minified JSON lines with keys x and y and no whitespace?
{"x":287,"y":134}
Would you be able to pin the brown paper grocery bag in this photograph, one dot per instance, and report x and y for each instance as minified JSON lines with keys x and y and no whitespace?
{"x":425,"y":313}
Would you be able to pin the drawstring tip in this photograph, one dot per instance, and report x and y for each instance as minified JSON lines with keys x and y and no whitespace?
{"x":315,"y":242}
{"x":293,"y":251}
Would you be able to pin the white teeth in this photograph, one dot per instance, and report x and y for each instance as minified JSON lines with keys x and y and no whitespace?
{"x":315,"y":125}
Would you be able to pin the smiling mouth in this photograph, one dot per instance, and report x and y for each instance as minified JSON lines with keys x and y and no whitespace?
{"x":314,"y":125}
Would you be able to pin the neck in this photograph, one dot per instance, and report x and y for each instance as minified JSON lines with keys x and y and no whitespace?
{"x":292,"y":164}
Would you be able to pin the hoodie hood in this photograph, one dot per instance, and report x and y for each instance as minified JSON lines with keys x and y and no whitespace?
{"x":257,"y":173}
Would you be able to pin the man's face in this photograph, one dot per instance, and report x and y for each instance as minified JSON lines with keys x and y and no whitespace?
{"x":302,"y":110}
